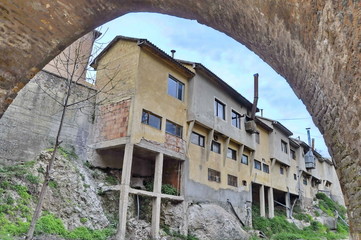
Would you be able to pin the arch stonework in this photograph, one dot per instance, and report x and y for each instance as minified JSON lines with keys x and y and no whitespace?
{"x":315,"y":45}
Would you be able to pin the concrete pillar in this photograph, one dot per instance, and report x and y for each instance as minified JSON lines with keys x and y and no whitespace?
{"x":271,"y":212}
{"x":124,"y":191}
{"x":288,"y":205}
{"x":157,"y":188}
{"x":262,"y":206}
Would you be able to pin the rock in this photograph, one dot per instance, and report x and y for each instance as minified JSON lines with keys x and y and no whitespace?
{"x":212,"y":222}
{"x":138,"y":229}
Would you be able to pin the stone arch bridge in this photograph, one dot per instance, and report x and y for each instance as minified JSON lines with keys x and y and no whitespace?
{"x":314,"y":44}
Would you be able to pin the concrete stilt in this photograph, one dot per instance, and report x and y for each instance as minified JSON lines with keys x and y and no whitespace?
{"x":271,"y":210}
{"x":288,"y":205}
{"x":124,"y":191}
{"x":262,"y":205}
{"x":158,"y":173}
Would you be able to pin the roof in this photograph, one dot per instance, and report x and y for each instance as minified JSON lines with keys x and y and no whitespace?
{"x":231,"y":91}
{"x":143,"y":43}
{"x":278,"y":125}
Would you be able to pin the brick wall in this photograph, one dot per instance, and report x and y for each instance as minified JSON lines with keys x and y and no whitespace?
{"x":112,"y":121}
{"x":174,"y":143}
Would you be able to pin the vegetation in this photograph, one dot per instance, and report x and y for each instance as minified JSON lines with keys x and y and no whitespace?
{"x":15,"y":213}
{"x":279,"y":228}
{"x":328,"y":206}
{"x":166,"y":188}
{"x":167,"y":230}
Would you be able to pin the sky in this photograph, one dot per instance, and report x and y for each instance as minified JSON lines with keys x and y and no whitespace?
{"x":228,"y":59}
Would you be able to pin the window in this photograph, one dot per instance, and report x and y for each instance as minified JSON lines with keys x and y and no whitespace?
{"x":293,"y":154}
{"x":236,"y":119}
{"x":231,"y":153}
{"x":197,"y":139}
{"x":175,"y":88}
{"x":284,"y":146}
{"x":244,"y":159}
{"x":257,"y":137}
{"x":216,"y":147}
{"x":244,"y":183}
{"x":173,"y":129}
{"x":305,"y":181}
{"x":214,"y":175}
{"x":281,"y":170}
{"x":151,"y":119}
{"x":219,"y":109}
{"x":257,"y":164}
{"x":265,"y":168}
{"x":295,"y":176}
{"x":232,"y":181}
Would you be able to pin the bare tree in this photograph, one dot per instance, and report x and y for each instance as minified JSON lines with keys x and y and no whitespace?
{"x":73,"y":66}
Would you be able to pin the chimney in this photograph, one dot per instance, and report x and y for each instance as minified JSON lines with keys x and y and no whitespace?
{"x":172,"y":51}
{"x":254,"y":106}
{"x":313,"y":144}
{"x":309,"y":136}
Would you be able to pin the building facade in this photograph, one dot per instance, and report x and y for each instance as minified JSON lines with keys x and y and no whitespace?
{"x":173,"y":122}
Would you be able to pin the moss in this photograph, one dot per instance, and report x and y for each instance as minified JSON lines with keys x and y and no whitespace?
{"x":32,"y":179}
{"x":83,"y":220}
{"x":111,"y":180}
{"x":53,"y":184}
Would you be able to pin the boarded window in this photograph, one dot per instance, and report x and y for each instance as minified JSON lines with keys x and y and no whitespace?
{"x":232,"y":181}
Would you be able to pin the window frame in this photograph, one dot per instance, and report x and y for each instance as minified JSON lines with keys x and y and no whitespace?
{"x":293,"y":154}
{"x":199,"y":137}
{"x":216,"y":143}
{"x":244,"y":155}
{"x":232,"y":180}
{"x":177,"y":126}
{"x":238,"y":120}
{"x":216,"y":112}
{"x":282,"y":170}
{"x":233,"y":154}
{"x":284,"y":146}
{"x":267,"y":167}
{"x":258,"y":163}
{"x":213,"y":177}
{"x":178,"y":83}
{"x":305,"y":182}
{"x":147,"y":120}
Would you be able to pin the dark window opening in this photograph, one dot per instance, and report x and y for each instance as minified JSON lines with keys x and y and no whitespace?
{"x":265,"y":168}
{"x":151,"y":119}
{"x":257,"y":164}
{"x":214,"y":175}
{"x":219,"y":109}
{"x":232,"y":180}
{"x":244,"y":159}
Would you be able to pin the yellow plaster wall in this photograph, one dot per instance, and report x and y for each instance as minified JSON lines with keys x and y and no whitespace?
{"x":117,"y":71}
{"x":152,"y":95}
{"x":262,"y":154}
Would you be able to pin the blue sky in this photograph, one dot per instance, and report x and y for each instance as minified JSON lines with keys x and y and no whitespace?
{"x":228,"y":59}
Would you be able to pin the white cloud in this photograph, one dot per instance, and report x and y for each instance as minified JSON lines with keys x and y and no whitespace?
{"x":227,"y":58}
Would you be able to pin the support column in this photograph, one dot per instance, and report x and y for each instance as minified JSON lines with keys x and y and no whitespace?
{"x":262,"y":206}
{"x":271,"y":212}
{"x":157,"y":188}
{"x":288,"y":205}
{"x":124,"y":190}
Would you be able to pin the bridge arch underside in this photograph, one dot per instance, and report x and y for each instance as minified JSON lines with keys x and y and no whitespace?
{"x":315,"y":45}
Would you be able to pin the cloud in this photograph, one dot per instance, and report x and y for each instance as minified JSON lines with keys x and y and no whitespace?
{"x":228,"y":59}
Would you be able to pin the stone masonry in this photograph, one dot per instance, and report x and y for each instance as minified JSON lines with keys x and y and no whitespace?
{"x":315,"y":45}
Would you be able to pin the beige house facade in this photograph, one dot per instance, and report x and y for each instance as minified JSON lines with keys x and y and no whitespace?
{"x":173,"y":122}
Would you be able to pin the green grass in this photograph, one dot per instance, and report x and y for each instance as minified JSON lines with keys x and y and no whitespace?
{"x":278,"y":228}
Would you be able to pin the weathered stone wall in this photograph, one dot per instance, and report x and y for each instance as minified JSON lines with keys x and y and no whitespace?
{"x":31,"y":123}
{"x":315,"y":45}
